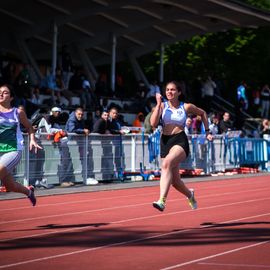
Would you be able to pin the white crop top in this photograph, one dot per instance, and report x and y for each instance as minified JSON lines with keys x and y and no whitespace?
{"x":174,"y":116}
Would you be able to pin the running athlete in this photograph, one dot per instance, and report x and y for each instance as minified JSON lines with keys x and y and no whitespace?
{"x":11,"y":142}
{"x":174,"y":146}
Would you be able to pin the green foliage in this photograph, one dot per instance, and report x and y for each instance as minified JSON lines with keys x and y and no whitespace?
{"x":231,"y":56}
{"x":263,"y":4}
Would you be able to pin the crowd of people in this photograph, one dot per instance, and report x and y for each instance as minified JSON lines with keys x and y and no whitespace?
{"x":58,"y":117}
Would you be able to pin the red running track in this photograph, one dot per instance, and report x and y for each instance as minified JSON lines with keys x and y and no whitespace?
{"x":121,"y":230}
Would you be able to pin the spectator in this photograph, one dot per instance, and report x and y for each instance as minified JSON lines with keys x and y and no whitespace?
{"x":88,"y":122}
{"x":101,"y":126}
{"x":241,"y":93}
{"x":197,"y":125}
{"x":214,"y":125}
{"x":55,"y":86}
{"x":51,"y":124}
{"x":188,"y":126}
{"x":138,"y":122}
{"x":208,"y":91}
{"x":265,"y":97}
{"x":153,"y":90}
{"x":226,"y":124}
{"x":114,"y":123}
{"x":76,"y":124}
{"x":37,"y":160}
{"x":264,"y":128}
{"x":86,"y":95}
{"x":147,"y":125}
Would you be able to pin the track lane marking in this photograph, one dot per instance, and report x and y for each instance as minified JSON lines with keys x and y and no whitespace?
{"x":132,"y":205}
{"x":220,"y":186}
{"x":215,"y":255}
{"x":144,"y":239}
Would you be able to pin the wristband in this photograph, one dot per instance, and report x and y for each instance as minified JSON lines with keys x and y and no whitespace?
{"x":207,"y":130}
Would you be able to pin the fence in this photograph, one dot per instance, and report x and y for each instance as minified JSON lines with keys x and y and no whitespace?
{"x":106,"y":157}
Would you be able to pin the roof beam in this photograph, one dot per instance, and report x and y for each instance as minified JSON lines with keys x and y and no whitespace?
{"x":113,"y":19}
{"x":196,"y":25}
{"x":222,"y":18}
{"x":16,"y":17}
{"x":99,"y":49}
{"x":177,"y":5}
{"x":80,"y":29}
{"x":240,"y":9}
{"x":134,"y":40}
{"x":164,"y":31}
{"x":144,"y":11}
{"x":54,"y":7}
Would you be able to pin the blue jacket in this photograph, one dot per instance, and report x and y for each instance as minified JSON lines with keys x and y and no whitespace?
{"x":73,"y":125}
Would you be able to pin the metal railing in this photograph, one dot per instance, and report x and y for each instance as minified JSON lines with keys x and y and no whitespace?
{"x":105,"y":157}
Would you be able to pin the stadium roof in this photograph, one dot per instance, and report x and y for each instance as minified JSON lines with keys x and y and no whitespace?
{"x":139,"y":26}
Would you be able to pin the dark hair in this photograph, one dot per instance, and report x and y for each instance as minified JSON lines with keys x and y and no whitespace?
{"x":10,"y":88}
{"x":178,"y":87}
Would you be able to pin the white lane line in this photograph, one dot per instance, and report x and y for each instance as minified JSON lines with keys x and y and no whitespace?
{"x":129,"y":205}
{"x":135,"y":219}
{"x":215,"y":255}
{"x":253,"y":266}
{"x":78,"y":201}
{"x":220,"y":186}
{"x":135,"y":241}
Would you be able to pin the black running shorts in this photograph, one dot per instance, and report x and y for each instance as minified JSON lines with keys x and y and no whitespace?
{"x":168,"y":141}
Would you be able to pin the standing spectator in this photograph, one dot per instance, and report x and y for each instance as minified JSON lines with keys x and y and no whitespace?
{"x":52,"y":125}
{"x":265,"y":97}
{"x":153,"y":90}
{"x":226,"y":124}
{"x":86,"y":95}
{"x":241,"y":93}
{"x":37,"y":160}
{"x":101,"y":126}
{"x":76,"y":124}
{"x":114,"y":123}
{"x":208,"y":91}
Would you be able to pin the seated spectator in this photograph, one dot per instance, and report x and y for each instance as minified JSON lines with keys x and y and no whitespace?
{"x":101,"y":126}
{"x":55,"y":86}
{"x":225,"y":124}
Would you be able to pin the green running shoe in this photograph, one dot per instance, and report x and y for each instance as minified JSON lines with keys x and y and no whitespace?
{"x":192,"y":201}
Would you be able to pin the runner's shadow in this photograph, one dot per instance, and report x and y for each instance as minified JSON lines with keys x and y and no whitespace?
{"x":231,"y":224}
{"x":56,"y":226}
